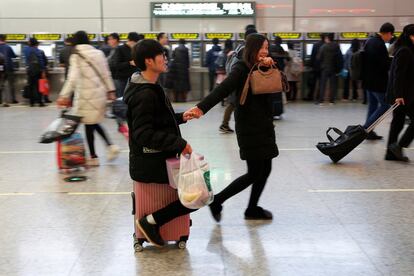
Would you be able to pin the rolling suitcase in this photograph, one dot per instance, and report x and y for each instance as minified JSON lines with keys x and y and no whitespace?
{"x":71,"y":153}
{"x":150,"y":197}
{"x":338,"y":148}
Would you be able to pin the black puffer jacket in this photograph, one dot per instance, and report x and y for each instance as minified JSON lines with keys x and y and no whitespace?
{"x":154,"y":134}
{"x":120,"y":66}
{"x":254,"y":120}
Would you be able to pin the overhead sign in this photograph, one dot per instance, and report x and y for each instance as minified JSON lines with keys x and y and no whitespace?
{"x":122,"y":36}
{"x":313,"y":35}
{"x":287,"y":35}
{"x":190,"y":36}
{"x":92,"y":37}
{"x":16,"y":37}
{"x":209,"y":9}
{"x":397,"y":34}
{"x":241,"y":35}
{"x":150,"y":35}
{"x":219,"y":35}
{"x":353,"y":35}
{"x":48,"y":37}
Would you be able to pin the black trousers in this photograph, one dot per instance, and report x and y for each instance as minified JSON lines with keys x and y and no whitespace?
{"x":314,"y":78}
{"x":347,"y":83}
{"x":257,"y":173}
{"x":170,"y":212}
{"x":211,"y":79}
{"x":8,"y":78}
{"x":89,"y":131}
{"x":397,"y":125}
{"x":293,"y":90}
{"x":35,"y":96}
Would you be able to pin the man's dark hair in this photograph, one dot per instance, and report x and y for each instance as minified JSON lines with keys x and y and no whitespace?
{"x":2,"y":37}
{"x":278,"y":40}
{"x":330,"y":36}
{"x":248,"y":32}
{"x":80,"y":37}
{"x":181,"y":41}
{"x":387,"y":28}
{"x":69,"y":40}
{"x":133,"y":36}
{"x":290,"y":45}
{"x":215,"y":41}
{"x":33,"y":42}
{"x":323,"y":35}
{"x":114,"y":36}
{"x":250,"y":26}
{"x":160,"y":35}
{"x":147,"y":48}
{"x":141,"y":37}
{"x":404,"y":39}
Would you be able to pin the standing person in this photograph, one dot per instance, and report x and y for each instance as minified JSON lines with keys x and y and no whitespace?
{"x":124,"y":64}
{"x":401,"y":91}
{"x":254,"y":129}
{"x":162,"y":38}
{"x":64,"y":55}
{"x":154,"y":134}
{"x":331,"y":63}
{"x":293,"y":69}
{"x":8,"y":73}
{"x":355,"y":45}
{"x":105,"y":47}
{"x":36,"y":69}
{"x":90,"y":79}
{"x":315,"y":75}
{"x":46,"y":76}
{"x":113,"y":42}
{"x":211,"y":58}
{"x":376,"y":63}
{"x":178,"y":78}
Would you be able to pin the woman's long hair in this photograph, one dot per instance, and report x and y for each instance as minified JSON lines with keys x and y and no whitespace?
{"x":228,"y":46}
{"x":80,"y":37}
{"x":254,"y":43}
{"x":404,"y":39}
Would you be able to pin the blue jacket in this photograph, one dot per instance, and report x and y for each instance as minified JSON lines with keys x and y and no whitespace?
{"x":8,"y":52}
{"x":211,"y":57}
{"x":27,"y":51}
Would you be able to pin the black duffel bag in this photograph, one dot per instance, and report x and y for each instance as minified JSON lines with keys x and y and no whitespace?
{"x":61,"y":128}
{"x":338,"y":148}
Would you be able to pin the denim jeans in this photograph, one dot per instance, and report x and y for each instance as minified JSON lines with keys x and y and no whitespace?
{"x":120,"y":85}
{"x":333,"y":83}
{"x":376,"y":106}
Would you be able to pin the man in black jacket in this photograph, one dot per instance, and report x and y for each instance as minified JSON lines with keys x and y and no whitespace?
{"x":123,"y":64}
{"x":153,"y":132}
{"x":376,"y":63}
{"x":316,"y":69}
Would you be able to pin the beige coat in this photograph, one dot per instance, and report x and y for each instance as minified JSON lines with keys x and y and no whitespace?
{"x":90,"y":91}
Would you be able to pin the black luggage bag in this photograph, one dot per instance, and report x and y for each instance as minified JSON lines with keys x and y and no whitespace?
{"x":338,"y":148}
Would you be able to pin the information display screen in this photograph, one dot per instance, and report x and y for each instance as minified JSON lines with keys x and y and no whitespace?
{"x":48,"y":49}
{"x":344,"y":47}
{"x":207,"y":9}
{"x":17,"y":48}
{"x":309,"y":48}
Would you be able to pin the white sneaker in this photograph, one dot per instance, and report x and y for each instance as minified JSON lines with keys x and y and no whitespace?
{"x":93,"y":162}
{"x":112,"y":152}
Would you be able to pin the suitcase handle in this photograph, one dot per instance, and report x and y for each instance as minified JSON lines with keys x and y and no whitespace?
{"x":380,"y":119}
{"x":133,"y":203}
{"x":340,"y":133}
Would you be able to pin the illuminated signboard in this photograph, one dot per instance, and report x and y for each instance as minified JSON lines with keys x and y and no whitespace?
{"x":48,"y":37}
{"x":150,"y":35}
{"x":209,"y":9}
{"x":352,"y":35}
{"x":191,"y":36}
{"x":92,"y":37}
{"x":397,"y":34}
{"x":122,"y":36}
{"x":219,"y":35}
{"x":287,"y":35}
{"x":241,"y":35}
{"x":314,"y":35}
{"x":16,"y":37}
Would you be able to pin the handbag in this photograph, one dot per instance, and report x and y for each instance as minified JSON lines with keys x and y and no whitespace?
{"x":44,"y":87}
{"x":264,"y":82}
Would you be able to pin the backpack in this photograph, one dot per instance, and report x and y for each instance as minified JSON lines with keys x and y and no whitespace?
{"x":233,"y":58}
{"x":296,"y":66}
{"x":33,"y":67}
{"x":356,"y":70}
{"x":220,"y":62}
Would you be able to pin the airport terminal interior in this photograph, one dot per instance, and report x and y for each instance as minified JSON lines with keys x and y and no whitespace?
{"x":62,"y":214}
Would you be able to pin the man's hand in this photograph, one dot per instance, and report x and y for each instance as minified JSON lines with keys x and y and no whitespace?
{"x":192,"y":113}
{"x":400,"y":101}
{"x":111,"y":96}
{"x":187,"y":150}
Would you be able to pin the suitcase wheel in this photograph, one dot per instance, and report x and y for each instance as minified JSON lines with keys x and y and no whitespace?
{"x":181,"y":244}
{"x":138,"y":244}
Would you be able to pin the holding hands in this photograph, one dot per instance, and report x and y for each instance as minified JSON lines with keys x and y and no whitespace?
{"x":192,"y":113}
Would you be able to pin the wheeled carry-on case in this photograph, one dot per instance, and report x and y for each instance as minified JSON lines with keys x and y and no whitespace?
{"x":150,"y":197}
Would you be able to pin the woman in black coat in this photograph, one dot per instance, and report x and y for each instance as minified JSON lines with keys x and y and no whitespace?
{"x":178,"y":78}
{"x":254,"y":129}
{"x":401,"y":90}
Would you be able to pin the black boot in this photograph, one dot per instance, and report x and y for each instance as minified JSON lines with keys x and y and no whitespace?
{"x":397,"y":153}
{"x":216,"y":209}
{"x":151,"y":232}
{"x":257,"y":213}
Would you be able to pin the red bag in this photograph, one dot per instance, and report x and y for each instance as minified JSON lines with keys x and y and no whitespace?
{"x":44,"y":87}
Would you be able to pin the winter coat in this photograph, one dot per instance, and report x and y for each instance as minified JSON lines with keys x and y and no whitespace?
{"x":314,"y":62}
{"x":211,"y":57}
{"x":153,"y":131}
{"x":178,"y":78}
{"x":290,"y":76}
{"x":330,"y":58}
{"x":347,"y":59}
{"x":401,"y":81}
{"x":254,"y":120}
{"x":90,"y":91}
{"x":279,"y":55}
{"x":376,"y":64}
{"x":122,"y":69}
{"x":9,"y":54}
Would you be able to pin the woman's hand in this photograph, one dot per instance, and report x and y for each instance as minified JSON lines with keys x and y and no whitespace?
{"x":187,"y":150}
{"x":266,"y":61}
{"x":63,"y":102}
{"x":400,"y":101}
{"x":111,"y":95}
{"x":192,"y":113}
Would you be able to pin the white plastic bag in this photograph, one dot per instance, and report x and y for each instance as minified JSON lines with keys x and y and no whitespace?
{"x":194,"y":189}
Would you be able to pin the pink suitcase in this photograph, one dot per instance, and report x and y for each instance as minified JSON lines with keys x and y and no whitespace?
{"x":148,"y":198}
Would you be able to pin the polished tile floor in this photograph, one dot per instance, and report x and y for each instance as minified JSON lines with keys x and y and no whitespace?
{"x":353,"y":218}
